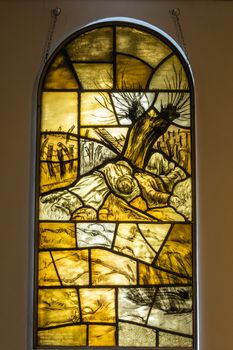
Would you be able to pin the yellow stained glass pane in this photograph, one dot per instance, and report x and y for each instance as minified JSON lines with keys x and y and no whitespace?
{"x":116,"y":209}
{"x":59,"y":111}
{"x":59,"y":75}
{"x":98,"y":304}
{"x":176,"y":143}
{"x":47,"y":275}
{"x":134,"y":335}
{"x":129,"y":241}
{"x":154,"y":234}
{"x":176,"y":255}
{"x":57,"y":175}
{"x":101,"y":335}
{"x":166,"y":214}
{"x":139,"y":203}
{"x":170,"y":75}
{"x":59,"y":155}
{"x":131,"y":73}
{"x":95,"y":75}
{"x":57,"y":307}
{"x":56,"y":235}
{"x":72,"y":266}
{"x":112,"y":269}
{"x":115,"y":136}
{"x":95,"y":45}
{"x":142,"y":45}
{"x":93,"y":110}
{"x":58,"y":147}
{"x":63,"y":336}
{"x":151,"y":276}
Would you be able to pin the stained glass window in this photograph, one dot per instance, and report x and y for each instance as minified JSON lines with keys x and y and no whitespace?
{"x":115,"y":231}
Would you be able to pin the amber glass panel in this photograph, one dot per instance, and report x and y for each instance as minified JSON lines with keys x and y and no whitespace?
{"x":101,"y":335}
{"x":131,"y":73}
{"x":57,"y":175}
{"x":65,"y":336}
{"x":72,"y":267}
{"x":176,"y":254}
{"x":59,"y":75}
{"x":166,"y":76}
{"x":47,"y":275}
{"x":95,"y":75}
{"x":95,"y":45}
{"x":98,"y":305}
{"x":57,"y":235}
{"x":59,"y":153}
{"x":130,"y":241}
{"x":176,"y":144}
{"x":152,"y":276}
{"x":116,"y":209}
{"x":142,"y":45}
{"x":59,"y":111}
{"x":57,"y":307}
{"x":93,"y":110}
{"x":112,"y":269}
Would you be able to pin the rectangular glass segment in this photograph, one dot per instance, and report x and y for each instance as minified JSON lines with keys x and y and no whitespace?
{"x":115,"y":256}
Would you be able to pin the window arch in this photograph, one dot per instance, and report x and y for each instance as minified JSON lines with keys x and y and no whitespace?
{"x":115,"y":259}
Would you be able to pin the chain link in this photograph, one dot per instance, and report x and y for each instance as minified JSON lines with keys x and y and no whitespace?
{"x":54,"y":15}
{"x":175,"y":13}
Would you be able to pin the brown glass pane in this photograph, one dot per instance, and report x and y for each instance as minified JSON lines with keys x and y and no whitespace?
{"x":95,"y":45}
{"x":131,"y":73}
{"x":56,"y":235}
{"x":142,"y":45}
{"x":65,"y":336}
{"x":59,"y":75}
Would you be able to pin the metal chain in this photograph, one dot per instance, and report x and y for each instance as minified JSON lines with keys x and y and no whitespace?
{"x":54,"y":15}
{"x":175,"y":13}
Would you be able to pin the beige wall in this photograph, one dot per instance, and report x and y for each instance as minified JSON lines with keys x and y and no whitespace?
{"x":208,"y":31}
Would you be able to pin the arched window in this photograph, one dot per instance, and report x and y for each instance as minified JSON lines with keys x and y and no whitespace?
{"x":115,"y":260}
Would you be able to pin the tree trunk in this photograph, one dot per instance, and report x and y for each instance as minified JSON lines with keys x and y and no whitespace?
{"x":142,"y":136}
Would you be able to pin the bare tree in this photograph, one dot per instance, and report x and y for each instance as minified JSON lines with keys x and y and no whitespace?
{"x":147,"y":123}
